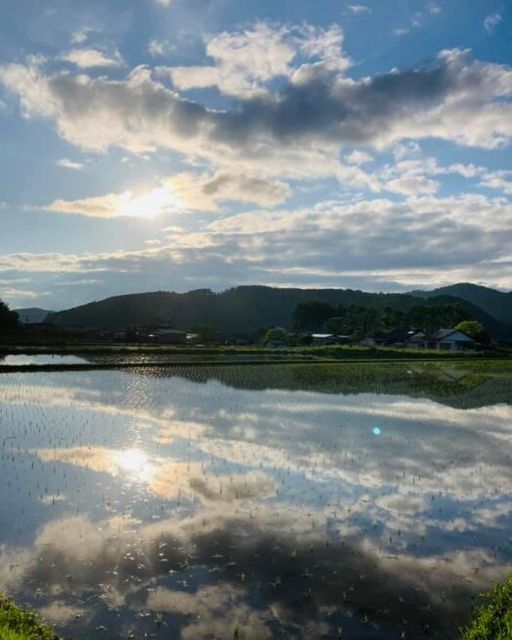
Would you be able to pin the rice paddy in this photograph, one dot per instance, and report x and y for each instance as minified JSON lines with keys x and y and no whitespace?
{"x":281,"y":501}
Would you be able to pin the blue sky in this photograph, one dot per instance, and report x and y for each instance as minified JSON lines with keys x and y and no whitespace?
{"x":181,"y":144}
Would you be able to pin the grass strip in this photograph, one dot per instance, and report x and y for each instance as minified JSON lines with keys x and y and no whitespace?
{"x":17,"y":624}
{"x":493,"y":617}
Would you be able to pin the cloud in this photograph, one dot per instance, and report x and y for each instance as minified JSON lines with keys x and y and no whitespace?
{"x":377,"y":244}
{"x":106,"y":206}
{"x":359,"y":158}
{"x":412,"y":185}
{"x":434,"y":8}
{"x":242,"y":60}
{"x":13,"y":293}
{"x":492,"y":21}
{"x":166,"y":478}
{"x":204,"y":192}
{"x":149,"y":204}
{"x":90,"y":58}
{"x":419,"y":18}
{"x":216,"y":611}
{"x":359,"y":8}
{"x":181,"y":192}
{"x":59,"y":612}
{"x":318,"y":111}
{"x":81,"y":35}
{"x":70,"y":164}
{"x":156,"y":47}
{"x":500,"y":180}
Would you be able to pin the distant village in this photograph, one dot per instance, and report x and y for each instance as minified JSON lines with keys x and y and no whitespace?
{"x":315,"y":323}
{"x":451,"y":339}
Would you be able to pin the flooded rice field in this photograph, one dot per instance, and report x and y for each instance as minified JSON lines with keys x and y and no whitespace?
{"x":301,"y":501}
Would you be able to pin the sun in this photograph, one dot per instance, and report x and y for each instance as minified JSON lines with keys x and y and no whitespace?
{"x":148,"y":205}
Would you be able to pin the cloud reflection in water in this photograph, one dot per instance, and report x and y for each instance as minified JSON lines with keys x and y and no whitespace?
{"x":273,"y":510}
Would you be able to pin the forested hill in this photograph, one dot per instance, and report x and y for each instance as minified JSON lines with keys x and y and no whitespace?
{"x":32,"y":315}
{"x":242,"y":309}
{"x":496,"y":303}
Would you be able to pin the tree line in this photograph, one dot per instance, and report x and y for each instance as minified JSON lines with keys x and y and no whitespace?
{"x":358,"y":321}
{"x":8,"y":318}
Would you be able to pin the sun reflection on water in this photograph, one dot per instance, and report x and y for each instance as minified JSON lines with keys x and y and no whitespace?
{"x":135,"y":463}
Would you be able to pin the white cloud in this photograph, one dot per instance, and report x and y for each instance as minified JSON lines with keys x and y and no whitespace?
{"x":359,"y":8}
{"x":412,"y":185}
{"x":70,"y":164}
{"x":106,"y":206}
{"x":156,"y":47}
{"x":418,"y":19}
{"x":11,"y":293}
{"x":245,"y":61}
{"x":90,"y":58}
{"x":499,"y":180}
{"x":434,"y":8}
{"x":492,"y":21}
{"x":81,"y":35}
{"x":359,"y":157}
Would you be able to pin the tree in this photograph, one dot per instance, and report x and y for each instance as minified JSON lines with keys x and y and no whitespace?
{"x":276,"y":334}
{"x":205,"y":334}
{"x":471,"y":328}
{"x":393,"y":319}
{"x":337,"y":325}
{"x":311,"y":314}
{"x":8,"y":318}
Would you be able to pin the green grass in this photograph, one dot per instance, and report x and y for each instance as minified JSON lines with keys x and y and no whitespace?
{"x":7,"y":634}
{"x":493,"y":618}
{"x":16,"y":624}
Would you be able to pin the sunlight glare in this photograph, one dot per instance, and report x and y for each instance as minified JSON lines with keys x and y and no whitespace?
{"x":133,"y":461}
{"x":149,"y":205}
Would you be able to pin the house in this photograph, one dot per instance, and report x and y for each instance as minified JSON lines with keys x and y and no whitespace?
{"x":328,"y":338}
{"x":405,"y":338}
{"x":449,"y":339}
{"x":369,"y":341}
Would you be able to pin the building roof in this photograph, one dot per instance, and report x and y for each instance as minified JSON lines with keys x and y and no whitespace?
{"x":401,"y":335}
{"x":442,"y":334}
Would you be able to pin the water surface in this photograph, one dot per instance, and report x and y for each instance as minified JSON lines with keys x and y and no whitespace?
{"x":256,"y":502}
{"x":40,"y":359}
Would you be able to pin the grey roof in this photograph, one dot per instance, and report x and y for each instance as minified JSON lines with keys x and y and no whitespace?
{"x":445,"y":333}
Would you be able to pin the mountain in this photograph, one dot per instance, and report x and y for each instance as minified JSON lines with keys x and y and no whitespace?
{"x":32,"y":315}
{"x":243,"y":309}
{"x":496,"y":303}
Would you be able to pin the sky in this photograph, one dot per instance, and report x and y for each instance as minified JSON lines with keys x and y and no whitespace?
{"x":184,"y":144}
